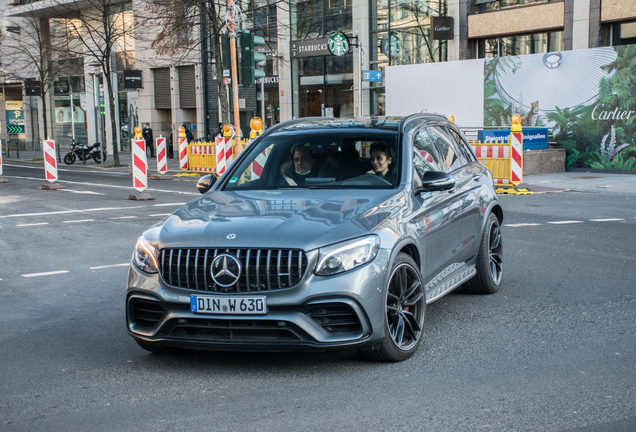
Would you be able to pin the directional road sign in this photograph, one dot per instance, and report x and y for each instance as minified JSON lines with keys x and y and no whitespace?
{"x":372,"y":76}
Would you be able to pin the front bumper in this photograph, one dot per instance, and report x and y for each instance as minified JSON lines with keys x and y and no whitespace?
{"x":317,"y":314}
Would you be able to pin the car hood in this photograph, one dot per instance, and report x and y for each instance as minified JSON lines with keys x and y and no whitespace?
{"x":304,"y":219}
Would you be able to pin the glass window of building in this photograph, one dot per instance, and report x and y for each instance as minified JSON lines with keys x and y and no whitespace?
{"x":322,"y":84}
{"x":400,"y":35}
{"x":534,"y":43}
{"x":619,"y":34}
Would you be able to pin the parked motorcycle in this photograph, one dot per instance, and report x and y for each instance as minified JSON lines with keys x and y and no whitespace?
{"x":84,"y":152}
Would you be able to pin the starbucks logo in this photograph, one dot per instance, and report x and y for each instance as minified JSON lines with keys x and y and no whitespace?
{"x":338,"y":44}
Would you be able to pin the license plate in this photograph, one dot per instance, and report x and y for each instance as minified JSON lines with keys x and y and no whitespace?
{"x":248,"y":305}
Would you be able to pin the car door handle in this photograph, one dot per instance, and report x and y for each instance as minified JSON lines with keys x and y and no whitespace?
{"x":476,"y":176}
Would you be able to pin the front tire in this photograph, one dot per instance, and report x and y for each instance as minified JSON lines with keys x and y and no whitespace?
{"x":405,"y":311}
{"x":489,"y":263}
{"x":69,"y":158}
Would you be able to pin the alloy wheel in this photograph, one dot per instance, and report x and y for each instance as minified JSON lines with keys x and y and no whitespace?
{"x":495,"y":249}
{"x":405,"y":306}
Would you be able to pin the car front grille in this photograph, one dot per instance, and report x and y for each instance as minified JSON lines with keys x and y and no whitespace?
{"x":336,"y":318}
{"x":262,"y":269}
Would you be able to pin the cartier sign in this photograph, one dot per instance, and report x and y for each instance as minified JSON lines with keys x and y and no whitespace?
{"x":442,"y":28}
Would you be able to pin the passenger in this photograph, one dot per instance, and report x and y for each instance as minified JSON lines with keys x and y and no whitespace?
{"x":382,"y":161}
{"x":303,"y":165}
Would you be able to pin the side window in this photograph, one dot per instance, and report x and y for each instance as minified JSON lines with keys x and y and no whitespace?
{"x":461,"y":141}
{"x":448,"y":148}
{"x":425,"y":155}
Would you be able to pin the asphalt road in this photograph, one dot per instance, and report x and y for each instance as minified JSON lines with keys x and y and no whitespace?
{"x":553,"y":350}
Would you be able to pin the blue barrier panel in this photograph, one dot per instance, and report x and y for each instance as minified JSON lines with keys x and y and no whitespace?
{"x":533,"y":139}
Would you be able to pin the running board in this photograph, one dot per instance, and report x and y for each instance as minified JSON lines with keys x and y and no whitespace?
{"x":436,"y":292}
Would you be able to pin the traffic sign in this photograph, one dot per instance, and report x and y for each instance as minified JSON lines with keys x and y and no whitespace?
{"x":15,"y":129}
{"x":372,"y":76}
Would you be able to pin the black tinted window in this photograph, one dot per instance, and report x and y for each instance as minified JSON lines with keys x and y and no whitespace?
{"x":461,"y":141}
{"x":451,"y":156}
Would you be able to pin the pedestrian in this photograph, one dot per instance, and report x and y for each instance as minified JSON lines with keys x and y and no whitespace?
{"x":189,"y":136}
{"x":218,"y":131}
{"x":147,"y":134}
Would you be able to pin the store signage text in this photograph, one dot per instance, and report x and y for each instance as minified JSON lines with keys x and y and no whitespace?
{"x":617,"y":114}
{"x":268,"y":80}
{"x":310,"y":48}
{"x":442,"y":28}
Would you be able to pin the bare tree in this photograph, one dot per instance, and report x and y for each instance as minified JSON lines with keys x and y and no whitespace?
{"x":27,"y":54}
{"x":99,"y":25}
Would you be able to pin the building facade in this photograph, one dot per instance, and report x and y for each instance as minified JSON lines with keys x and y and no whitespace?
{"x":302,"y":78}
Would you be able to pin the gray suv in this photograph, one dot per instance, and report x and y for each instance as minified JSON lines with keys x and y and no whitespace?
{"x":323,"y":233}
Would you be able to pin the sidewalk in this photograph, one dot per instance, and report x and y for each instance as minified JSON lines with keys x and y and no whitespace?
{"x":581,"y":182}
{"x":539,"y":183}
{"x":125,"y":160}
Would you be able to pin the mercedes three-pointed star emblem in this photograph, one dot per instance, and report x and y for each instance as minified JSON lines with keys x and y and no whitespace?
{"x":226,"y":270}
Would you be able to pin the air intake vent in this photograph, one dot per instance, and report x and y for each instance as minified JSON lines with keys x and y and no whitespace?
{"x":261,"y":269}
{"x":336,"y":318}
{"x":146,"y":313}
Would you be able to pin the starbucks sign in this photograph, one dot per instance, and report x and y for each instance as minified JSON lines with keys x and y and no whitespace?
{"x":338,"y":44}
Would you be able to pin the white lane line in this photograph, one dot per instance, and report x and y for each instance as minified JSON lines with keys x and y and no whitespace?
{"x":71,"y":211}
{"x":78,"y":221}
{"x":32,"y":224}
{"x":109,"y":266}
{"x":123,"y":217}
{"x":160,"y":214}
{"x":522,"y":224}
{"x":565,"y":222}
{"x":82,"y":192}
{"x":607,"y":220}
{"x":107,"y":185}
{"x":169,"y":204}
{"x":45,"y":273}
{"x":96,"y":169}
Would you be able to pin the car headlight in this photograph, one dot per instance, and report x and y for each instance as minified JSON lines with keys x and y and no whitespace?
{"x":347,"y":255}
{"x":145,"y":256}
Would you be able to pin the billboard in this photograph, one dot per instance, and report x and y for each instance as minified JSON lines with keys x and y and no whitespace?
{"x":587,"y":98}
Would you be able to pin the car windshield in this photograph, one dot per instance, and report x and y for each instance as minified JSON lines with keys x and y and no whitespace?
{"x":331,"y":159}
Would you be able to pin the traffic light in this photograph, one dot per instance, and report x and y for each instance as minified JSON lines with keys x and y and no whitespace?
{"x":225,"y":51}
{"x":249,"y":58}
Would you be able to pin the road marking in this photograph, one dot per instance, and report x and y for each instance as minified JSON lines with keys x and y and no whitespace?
{"x":45,"y":273}
{"x":123,"y":217}
{"x":607,"y":220}
{"x":78,"y":221}
{"x":565,"y":222}
{"x":522,"y":224}
{"x":107,"y":185}
{"x":109,"y":266}
{"x":82,"y":192}
{"x":32,"y":224}
{"x":160,"y":214}
{"x":71,"y":211}
{"x":169,"y":204}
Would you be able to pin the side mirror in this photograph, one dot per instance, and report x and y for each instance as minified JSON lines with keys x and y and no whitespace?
{"x":436,"y":181}
{"x":206,"y":182}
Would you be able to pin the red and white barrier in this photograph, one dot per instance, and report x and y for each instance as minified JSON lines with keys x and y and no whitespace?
{"x":492,"y":151}
{"x":259,"y":163}
{"x":229,"y":153}
{"x":183,"y":154}
{"x":50,"y":164}
{"x":140,"y":165}
{"x":0,"y":157}
{"x":516,"y":141}
{"x":162,"y":161}
{"x":222,"y":146}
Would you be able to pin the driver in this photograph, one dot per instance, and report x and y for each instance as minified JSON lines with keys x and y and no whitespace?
{"x":303,"y":165}
{"x":382,"y":161}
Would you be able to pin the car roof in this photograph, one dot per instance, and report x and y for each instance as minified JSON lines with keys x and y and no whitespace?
{"x":388,"y":123}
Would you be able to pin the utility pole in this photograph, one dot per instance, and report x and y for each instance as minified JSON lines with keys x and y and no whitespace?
{"x":231,"y":21}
